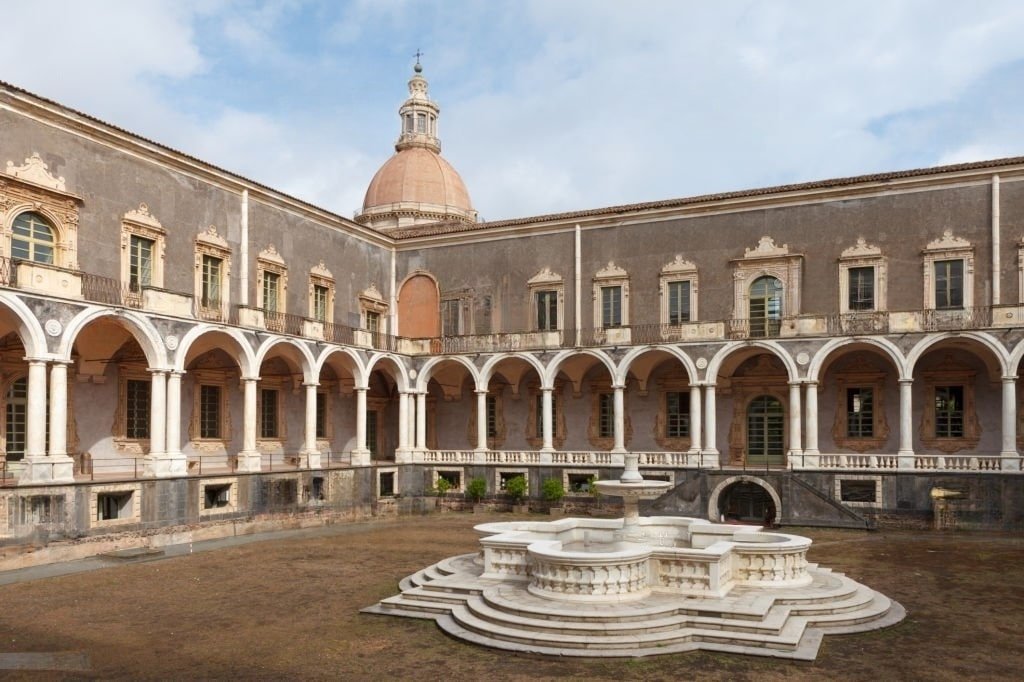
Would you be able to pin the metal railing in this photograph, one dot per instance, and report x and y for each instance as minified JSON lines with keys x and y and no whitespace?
{"x":952,"y":320}
{"x":753,"y":328}
{"x":339,"y":333}
{"x":210,"y":309}
{"x":110,"y":291}
{"x":8,"y":272}
{"x":868,"y":322}
{"x":283,"y":323}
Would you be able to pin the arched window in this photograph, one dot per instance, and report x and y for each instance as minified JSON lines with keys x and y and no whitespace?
{"x":32,"y":238}
{"x":765,"y":306}
{"x":17,"y":406}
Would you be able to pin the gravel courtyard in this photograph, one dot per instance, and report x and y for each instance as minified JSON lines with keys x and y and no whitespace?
{"x":288,"y":608}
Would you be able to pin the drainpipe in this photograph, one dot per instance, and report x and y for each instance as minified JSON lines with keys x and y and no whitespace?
{"x":243,"y":270}
{"x":579,"y":294}
{"x":995,"y":241}
{"x":393,"y":297}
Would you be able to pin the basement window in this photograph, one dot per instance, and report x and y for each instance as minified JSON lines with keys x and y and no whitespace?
{"x":316,"y":493}
{"x":216,"y":496}
{"x":386,"y":484}
{"x":112,"y":506}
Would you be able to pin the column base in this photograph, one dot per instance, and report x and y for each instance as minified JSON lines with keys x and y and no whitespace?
{"x":905,"y":459}
{"x":404,"y":456}
{"x":547,"y":455}
{"x":165,"y":465}
{"x":47,"y":469}
{"x":360,"y":458}
{"x":312,"y":459}
{"x":1011,"y":461}
{"x":248,"y":461}
{"x":709,"y":459}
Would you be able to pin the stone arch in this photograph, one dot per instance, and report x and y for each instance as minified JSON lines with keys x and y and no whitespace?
{"x":306,"y":360}
{"x":62,"y":232}
{"x":427,"y":371}
{"x":983,"y":339}
{"x":419,"y":306}
{"x":771,"y":347}
{"x":240,"y":349}
{"x":556,"y":363}
{"x":713,"y":500}
{"x":492,"y":362}
{"x":884,"y":345}
{"x":627,"y":361}
{"x":26,"y":324}
{"x":143,"y":331}
{"x":359,"y":373}
{"x":400,"y":374}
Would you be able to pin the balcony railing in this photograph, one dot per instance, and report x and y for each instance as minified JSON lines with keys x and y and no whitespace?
{"x":8,"y":273}
{"x":868,"y":322}
{"x":209,"y":309}
{"x":339,"y":333}
{"x":952,"y":320}
{"x":110,"y":291}
{"x":283,"y":323}
{"x":753,"y":328}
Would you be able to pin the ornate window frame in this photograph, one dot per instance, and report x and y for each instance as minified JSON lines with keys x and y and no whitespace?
{"x":767,"y":259}
{"x":372,"y":301}
{"x":558,"y":431}
{"x":32,"y":188}
{"x":673,"y":383}
{"x":202,"y":378}
{"x":210,"y":243}
{"x":269,"y":260}
{"x":140,"y":222}
{"x":948,"y":247}
{"x":862,"y":255}
{"x":679,"y":270}
{"x":320,"y":276}
{"x":859,"y":376}
{"x":610,"y":276}
{"x":951,"y":374}
{"x":122,"y":443}
{"x":546,"y":280}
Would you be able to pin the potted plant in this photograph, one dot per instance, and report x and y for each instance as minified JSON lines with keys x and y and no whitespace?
{"x":441,"y":488}
{"x":516,"y":489}
{"x":553,"y":492}
{"x":475,"y":491}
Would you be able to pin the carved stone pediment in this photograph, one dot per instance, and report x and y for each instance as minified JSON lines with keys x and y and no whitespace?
{"x":211,"y":237}
{"x":371,"y":293}
{"x":545,"y":276}
{"x":766,"y":248}
{"x":36,"y":171}
{"x":142,"y":217}
{"x":678,"y":266}
{"x":321,"y":271}
{"x":861,"y":250}
{"x":271,"y":255}
{"x":948,"y":242}
{"x":611,"y":271}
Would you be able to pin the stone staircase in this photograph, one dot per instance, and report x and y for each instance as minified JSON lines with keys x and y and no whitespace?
{"x":784,"y":623}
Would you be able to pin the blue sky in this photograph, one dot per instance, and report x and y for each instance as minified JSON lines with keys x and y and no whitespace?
{"x":547,"y":105}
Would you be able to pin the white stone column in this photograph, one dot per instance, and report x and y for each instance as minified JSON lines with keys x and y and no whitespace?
{"x":157,"y":420}
{"x":620,"y":419}
{"x":421,"y":421}
{"x":1009,"y":449}
{"x":795,"y":423}
{"x":361,"y":454}
{"x":59,"y":409}
{"x":811,"y":450}
{"x":710,"y":427}
{"x":547,"y":426}
{"x":481,"y":421}
{"x":410,"y":398}
{"x":906,"y":452}
{"x":249,"y":457}
{"x":38,"y":467}
{"x":402,"y":452}
{"x":696,"y":422}
{"x":175,"y":463}
{"x":309,"y":448}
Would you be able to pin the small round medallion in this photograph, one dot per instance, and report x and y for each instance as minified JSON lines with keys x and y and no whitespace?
{"x":413,"y":374}
{"x":53,"y":327}
{"x":702,"y":363}
{"x":802,"y":358}
{"x":171,"y":342}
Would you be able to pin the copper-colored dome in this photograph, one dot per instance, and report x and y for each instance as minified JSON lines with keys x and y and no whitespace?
{"x":418,"y":176}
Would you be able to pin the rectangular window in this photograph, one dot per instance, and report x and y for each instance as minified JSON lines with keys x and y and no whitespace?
{"x":949,"y":411}
{"x":611,"y":307}
{"x":216,"y":496}
{"x":372,"y":322}
{"x":949,"y":284}
{"x":862,"y":289}
{"x":111,"y":506}
{"x":140,"y":262}
{"x":320,"y":302}
{"x":209,"y":412}
{"x":451,"y":317}
{"x":386,"y":484}
{"x":421,"y":123}
{"x":321,"y":415}
{"x":136,"y":409}
{"x":860,"y":413}
{"x":371,"y":432}
{"x":210,"y":295}
{"x":678,"y":302}
{"x":606,"y":415}
{"x":677,"y":414}
{"x":17,"y":411}
{"x":547,"y":310}
{"x":268,"y":413}
{"x":271,"y":292}
{"x":492,"y":416}
{"x":858,"y":491}
{"x":579,"y":483}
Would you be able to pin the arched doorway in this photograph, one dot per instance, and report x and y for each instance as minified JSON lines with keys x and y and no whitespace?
{"x":765,"y":306}
{"x":748,"y":502}
{"x":766,"y":424}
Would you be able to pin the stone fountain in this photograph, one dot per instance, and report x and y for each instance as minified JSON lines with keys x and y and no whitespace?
{"x":639,"y":586}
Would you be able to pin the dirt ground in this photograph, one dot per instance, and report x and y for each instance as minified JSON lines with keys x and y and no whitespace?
{"x":290,"y":609}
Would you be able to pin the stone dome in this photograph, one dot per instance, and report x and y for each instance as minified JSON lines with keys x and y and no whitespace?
{"x":416,"y":185}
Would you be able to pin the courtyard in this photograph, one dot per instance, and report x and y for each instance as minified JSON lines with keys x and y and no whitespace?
{"x":288,"y":607}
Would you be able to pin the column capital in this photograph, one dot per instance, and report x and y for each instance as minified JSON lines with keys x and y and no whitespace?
{"x":176,"y":373}
{"x":37,"y":361}
{"x":906,"y":382}
{"x":156,"y":370}
{"x":62,"y":362}
{"x":252,"y":379}
{"x":307,"y":384}
{"x":1009,"y":379}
